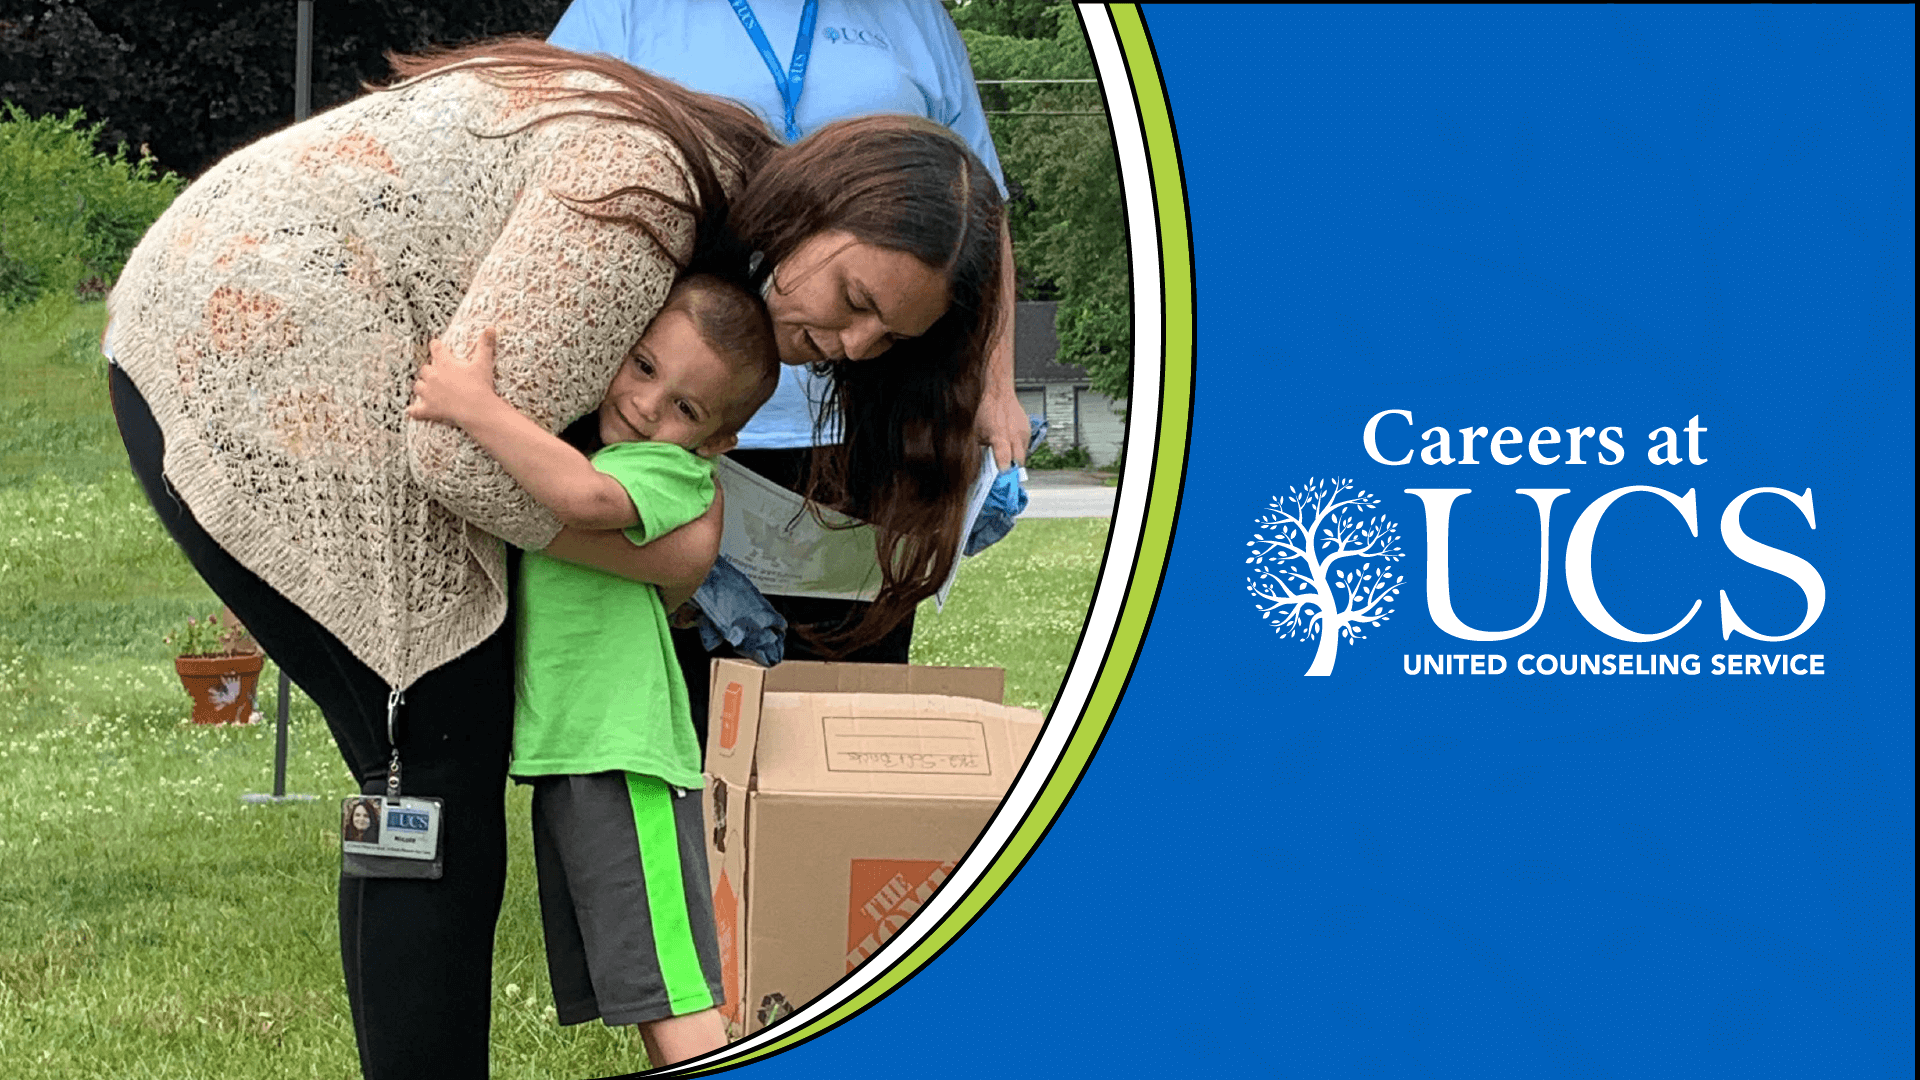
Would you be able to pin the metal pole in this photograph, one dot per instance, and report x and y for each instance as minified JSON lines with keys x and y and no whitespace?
{"x":280,"y":739}
{"x":280,"y":752}
{"x":303,"y":64}
{"x":302,"y":107}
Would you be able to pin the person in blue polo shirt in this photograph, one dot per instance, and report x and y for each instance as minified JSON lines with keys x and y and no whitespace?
{"x":800,"y":64}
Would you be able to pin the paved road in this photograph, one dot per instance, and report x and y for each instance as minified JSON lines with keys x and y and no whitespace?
{"x":1069,"y":502}
{"x":1061,"y":494}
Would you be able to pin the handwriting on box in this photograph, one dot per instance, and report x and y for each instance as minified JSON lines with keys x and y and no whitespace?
{"x":905,"y":744}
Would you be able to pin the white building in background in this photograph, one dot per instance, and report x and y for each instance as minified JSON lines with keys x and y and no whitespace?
{"x":1076,"y":414}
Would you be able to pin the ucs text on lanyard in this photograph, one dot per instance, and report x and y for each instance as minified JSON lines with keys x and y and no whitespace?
{"x":788,"y":82}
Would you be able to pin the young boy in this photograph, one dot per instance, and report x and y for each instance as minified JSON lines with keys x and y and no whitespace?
{"x":601,"y":726}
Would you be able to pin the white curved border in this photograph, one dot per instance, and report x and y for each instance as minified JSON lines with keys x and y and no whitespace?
{"x":1136,"y":476}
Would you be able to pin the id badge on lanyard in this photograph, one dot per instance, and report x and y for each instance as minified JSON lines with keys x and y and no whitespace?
{"x":391,"y":835}
{"x":788,"y":82}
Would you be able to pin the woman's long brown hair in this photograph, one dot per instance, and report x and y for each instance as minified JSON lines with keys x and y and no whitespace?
{"x":908,"y":452}
{"x":713,"y":136}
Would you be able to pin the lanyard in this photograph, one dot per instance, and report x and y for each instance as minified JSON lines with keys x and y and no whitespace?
{"x":394,"y":698}
{"x":788,"y":82}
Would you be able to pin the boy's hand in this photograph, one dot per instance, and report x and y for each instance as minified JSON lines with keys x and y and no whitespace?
{"x":453,"y":391}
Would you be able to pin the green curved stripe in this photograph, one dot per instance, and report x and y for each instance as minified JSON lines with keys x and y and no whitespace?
{"x":1143,"y":587}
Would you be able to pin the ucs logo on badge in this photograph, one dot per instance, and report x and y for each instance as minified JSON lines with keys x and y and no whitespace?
{"x":1296,"y":584}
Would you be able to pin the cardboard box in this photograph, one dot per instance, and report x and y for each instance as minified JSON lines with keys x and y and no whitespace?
{"x":839,"y":797}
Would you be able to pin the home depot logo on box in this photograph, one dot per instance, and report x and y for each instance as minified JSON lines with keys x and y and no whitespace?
{"x":881,"y":895}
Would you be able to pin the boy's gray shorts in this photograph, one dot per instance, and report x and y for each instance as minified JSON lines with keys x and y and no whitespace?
{"x":624,"y":899}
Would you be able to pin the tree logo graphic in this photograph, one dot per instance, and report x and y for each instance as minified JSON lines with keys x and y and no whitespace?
{"x":1305,"y":582}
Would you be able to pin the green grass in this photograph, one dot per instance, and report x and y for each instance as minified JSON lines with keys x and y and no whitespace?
{"x":54,"y":417}
{"x":151,"y":924}
{"x":1019,"y":605}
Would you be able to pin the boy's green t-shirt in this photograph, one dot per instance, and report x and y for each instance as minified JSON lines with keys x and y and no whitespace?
{"x":596,"y":684}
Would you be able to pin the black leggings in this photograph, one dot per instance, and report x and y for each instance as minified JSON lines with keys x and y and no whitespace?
{"x":418,"y":955}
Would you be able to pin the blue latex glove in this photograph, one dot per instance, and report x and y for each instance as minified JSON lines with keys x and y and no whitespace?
{"x":1005,"y":500}
{"x":733,"y":610}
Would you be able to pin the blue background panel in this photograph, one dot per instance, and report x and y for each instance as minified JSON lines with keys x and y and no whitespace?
{"x":1490,"y":217}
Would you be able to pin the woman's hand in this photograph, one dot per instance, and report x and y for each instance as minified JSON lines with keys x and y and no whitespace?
{"x":1002,"y":424}
{"x":453,"y":391}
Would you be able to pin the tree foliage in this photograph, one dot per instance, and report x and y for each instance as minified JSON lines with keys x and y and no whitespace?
{"x":193,"y":82}
{"x":1069,"y":224}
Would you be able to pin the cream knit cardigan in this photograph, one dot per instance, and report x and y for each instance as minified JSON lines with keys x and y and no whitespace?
{"x":274,"y":316}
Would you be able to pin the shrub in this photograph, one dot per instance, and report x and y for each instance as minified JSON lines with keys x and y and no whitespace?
{"x":1046,"y":457}
{"x":69,"y":215}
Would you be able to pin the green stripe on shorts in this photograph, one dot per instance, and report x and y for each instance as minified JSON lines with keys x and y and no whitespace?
{"x":653,"y":823}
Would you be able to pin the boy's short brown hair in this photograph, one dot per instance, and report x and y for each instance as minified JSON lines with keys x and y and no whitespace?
{"x":735,"y":325}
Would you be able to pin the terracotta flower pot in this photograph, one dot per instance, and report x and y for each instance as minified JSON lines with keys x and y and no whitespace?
{"x":221,"y":687}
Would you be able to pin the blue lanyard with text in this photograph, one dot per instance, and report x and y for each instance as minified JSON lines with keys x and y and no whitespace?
{"x":788,"y":82}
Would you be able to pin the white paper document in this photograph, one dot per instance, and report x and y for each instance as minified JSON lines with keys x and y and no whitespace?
{"x":773,"y":538}
{"x":976,"y":499}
